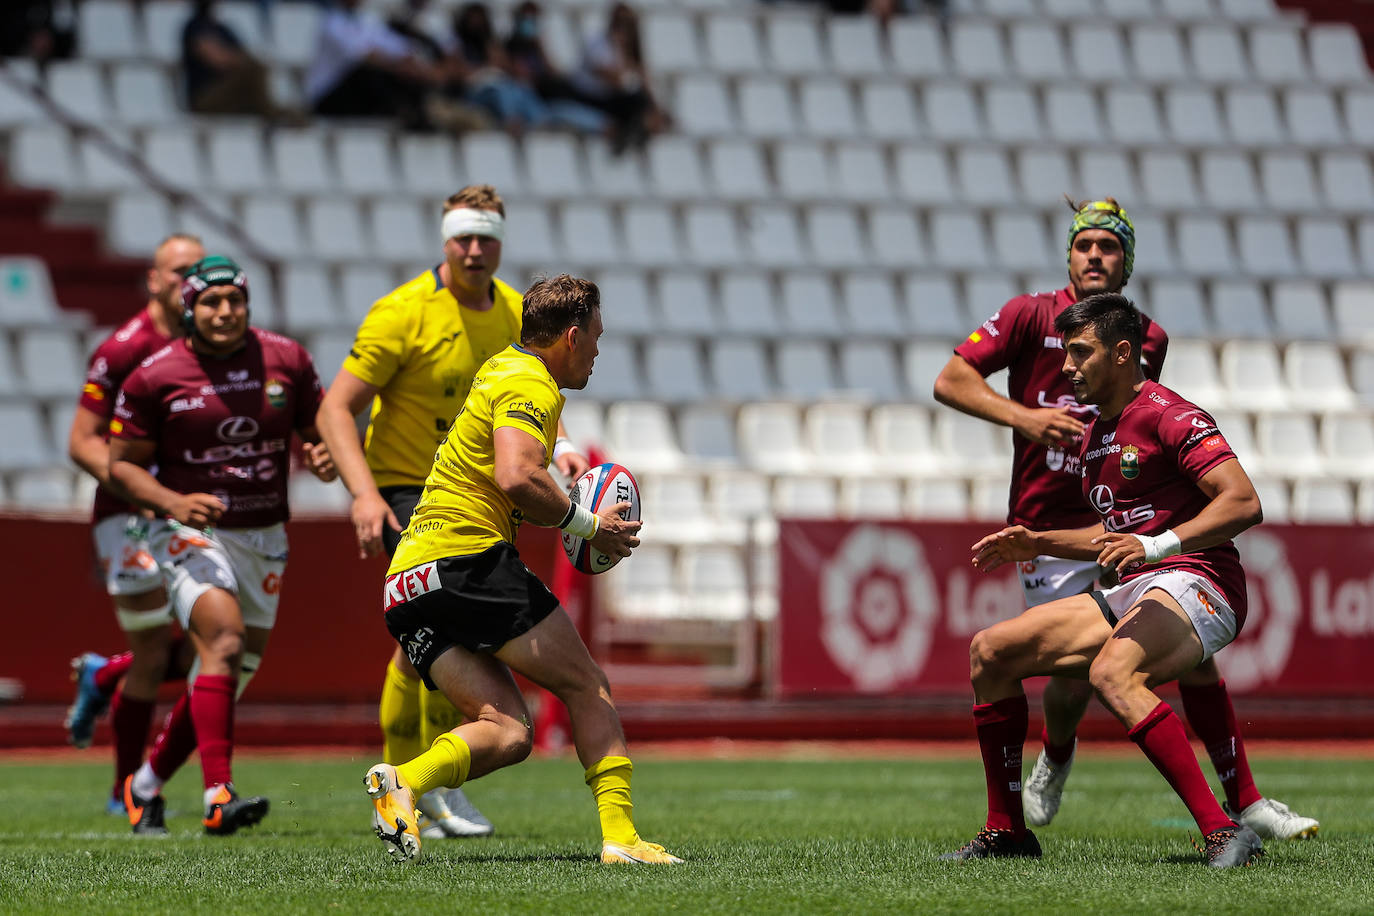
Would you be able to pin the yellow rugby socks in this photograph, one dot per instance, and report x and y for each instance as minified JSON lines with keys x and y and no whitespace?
{"x":609,"y":779}
{"x":437,"y":716}
{"x":399,"y":714}
{"x":446,"y":763}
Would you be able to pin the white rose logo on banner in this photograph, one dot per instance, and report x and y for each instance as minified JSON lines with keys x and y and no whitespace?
{"x":1261,"y":651}
{"x":879,"y":604}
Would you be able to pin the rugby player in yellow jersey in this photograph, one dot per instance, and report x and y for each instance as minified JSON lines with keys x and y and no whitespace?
{"x":413,"y":361}
{"x":467,"y":611}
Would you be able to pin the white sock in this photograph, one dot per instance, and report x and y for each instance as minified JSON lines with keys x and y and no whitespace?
{"x":211,"y":792}
{"x":146,"y":783}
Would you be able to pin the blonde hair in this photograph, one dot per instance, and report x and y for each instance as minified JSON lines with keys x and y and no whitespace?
{"x":476,"y":197}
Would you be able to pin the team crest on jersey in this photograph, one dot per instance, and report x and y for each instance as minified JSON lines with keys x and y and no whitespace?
{"x":1130,"y":462}
{"x":276,"y":393}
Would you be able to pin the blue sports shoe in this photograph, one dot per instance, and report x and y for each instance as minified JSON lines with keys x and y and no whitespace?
{"x":116,"y":806}
{"x":90,"y":701}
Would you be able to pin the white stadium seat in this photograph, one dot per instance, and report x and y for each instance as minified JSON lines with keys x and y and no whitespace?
{"x":871,"y":497}
{"x":24,"y":445}
{"x":984,"y":175}
{"x":799,"y":496}
{"x":704,"y":107}
{"x":794,"y":45}
{"x":1253,"y":116}
{"x":1252,"y":375}
{"x":1072,"y":116}
{"x":713,"y":236}
{"x":827,"y":109}
{"x":834,"y":236}
{"x":1265,"y":246}
{"x":856,"y":46}
{"x":938,"y":498}
{"x":675,"y":168}
{"x":765,"y":108}
{"x":869,"y":369}
{"x":585,"y":423}
{"x":491,"y":157}
{"x":144,"y":95}
{"x":1227,"y":180}
{"x":1166,"y":177}
{"x":1191,"y":369}
{"x":902,"y":440}
{"x":1108,"y":172}
{"x":707,"y":433}
{"x":732,"y":44}
{"x":1037,"y":51}
{"x":1178,"y":306}
{"x":1193,"y":116}
{"x":1300,"y":310}
{"x":804,"y":369}
{"x":748,"y":304}
{"x":399,"y":230}
{"x":739,"y":368}
{"x":361,"y":284}
{"x":670,"y":41}
{"x":1157,"y":50}
{"x":1204,"y":246}
{"x":1312,"y":117}
{"x":1346,"y":181}
{"x":334,"y":228}
{"x":26,"y":293}
{"x":616,"y":376}
{"x":1324,"y":247}
{"x":1323,"y":502}
{"x":1314,"y":373}
{"x":922,"y":361}
{"x":871,"y":306}
{"x":861,"y":174}
{"x":554,"y":163}
{"x":935,"y":308}
{"x":1276,"y":52}
{"x":673,"y":370}
{"x":895,"y":239}
{"x":1336,"y":53}
{"x":737,"y":170}
{"x":640,"y":435}
{"x":651,"y":235}
{"x":312,"y":300}
{"x":675,"y":507}
{"x":108,"y":29}
{"x":772,"y":236}
{"x":1239,"y":307}
{"x":686,"y":304}
{"x":923,"y":175}
{"x":428,"y":166}
{"x":1013,"y":113}
{"x":46,"y":490}
{"x":52,"y":361}
{"x":365,"y":161}
{"x":837,"y":435}
{"x":1353,"y":307}
{"x":951,"y":111}
{"x":1288,"y":442}
{"x":770,"y":437}
{"x":529,"y":233}
{"x":1217,"y":53}
{"x":976,"y":48}
{"x":889,"y":112}
{"x":1347,"y":442}
{"x":917,"y":48}
{"x":713,"y":581}
{"x":611,"y":175}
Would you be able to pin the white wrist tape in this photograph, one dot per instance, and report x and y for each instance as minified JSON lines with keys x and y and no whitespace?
{"x":580,"y":522}
{"x":466,"y":221}
{"x":1160,"y":546}
{"x":562,"y":446}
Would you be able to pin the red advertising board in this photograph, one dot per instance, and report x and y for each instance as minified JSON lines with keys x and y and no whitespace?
{"x":888,"y":608}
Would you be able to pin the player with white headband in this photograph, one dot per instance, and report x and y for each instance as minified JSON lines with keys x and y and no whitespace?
{"x":413,"y":361}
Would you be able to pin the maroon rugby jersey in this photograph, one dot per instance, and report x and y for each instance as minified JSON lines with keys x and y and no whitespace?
{"x":1140,"y":474}
{"x":110,"y":364}
{"x":223,"y":426}
{"x":1044,"y":481}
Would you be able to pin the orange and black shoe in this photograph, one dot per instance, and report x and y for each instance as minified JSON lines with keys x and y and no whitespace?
{"x":227,"y":812}
{"x":997,"y":844}
{"x":146,"y":815}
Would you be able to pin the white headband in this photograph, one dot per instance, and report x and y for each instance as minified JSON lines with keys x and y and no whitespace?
{"x":467,"y":221}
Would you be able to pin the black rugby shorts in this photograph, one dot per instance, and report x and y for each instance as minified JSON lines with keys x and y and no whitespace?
{"x":402,"y":500}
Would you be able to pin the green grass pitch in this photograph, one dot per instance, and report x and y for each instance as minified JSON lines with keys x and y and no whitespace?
{"x":802,"y":831}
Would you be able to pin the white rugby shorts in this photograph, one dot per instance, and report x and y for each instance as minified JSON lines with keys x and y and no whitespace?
{"x":1047,"y":579}
{"x":126,"y":561}
{"x":1212,"y":618}
{"x":248,"y":562}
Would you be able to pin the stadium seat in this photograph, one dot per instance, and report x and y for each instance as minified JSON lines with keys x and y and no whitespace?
{"x":675,"y":507}
{"x":1364,"y":241}
{"x":1346,"y":182}
{"x":1157,"y":50}
{"x":923,"y":175}
{"x":1347,"y":441}
{"x":136,"y":223}
{"x":902,"y":441}
{"x":833,"y":236}
{"x":1357,"y":103}
{"x":174,"y":155}
{"x":25,"y":444}
{"x":765,"y":108}
{"x":974,"y":446}
{"x":707,"y":432}
{"x":935,"y":309}
{"x":1132,"y":114}
{"x":627,"y":304}
{"x":334,"y":228}
{"x":984,"y":175}
{"x":673,"y":370}
{"x":917,"y":48}
{"x":1044,"y":174}
{"x":1300,"y":310}
{"x":855,"y":46}
{"x":553,"y":162}
{"x":732,"y":44}
{"x":1216,"y":52}
{"x":143,"y":95}
{"x":1236,"y":428}
{"x":645,"y":589}
{"x":1274,"y":499}
{"x":312,"y":299}
{"x":612,"y":176}
{"x":1253,"y":117}
{"x":1037,"y":51}
{"x":45,"y":490}
{"x":739,"y":368}
{"x":868,"y":369}
{"x":585,"y":422}
{"x":871,"y":307}
{"x":589,"y":234}
{"x":1191,"y":369}
{"x":428,"y":166}
{"x":670,"y":41}
{"x":1178,"y":306}
{"x":1095,"y":47}
{"x":860,"y":173}
{"x":1239,"y":307}
{"x":10,"y":375}
{"x":793,"y":45}
{"x":737,"y":169}
{"x":651,"y":235}
{"x":686,"y":305}
{"x":1251,"y":372}
{"x":1108,"y":172}
{"x":1019,"y":241}
{"x":871,"y":498}
{"x":1288,"y":443}
{"x":1166,"y":177}
{"x":922,"y":362}
{"x":1336,"y":54}
{"x":1276,"y":52}
{"x":988,"y":499}
{"x":836,"y":434}
{"x":1312,"y":117}
{"x":108,"y":30}
{"x":617,"y":375}
{"x":748,"y":304}
{"x":1353,"y":308}
{"x":78,"y":87}
{"x":364,"y":161}
{"x":895,"y":238}
{"x":1071,"y":114}
{"x":492,"y":157}
{"x":26,"y":293}
{"x":956,"y":236}
{"x":1193,"y":117}
{"x":1324,"y":248}
{"x":301,"y":161}
{"x":1204,"y":246}
{"x":938,"y":498}
{"x":714,"y":582}
{"x":1227,"y":180}
{"x":703,"y":107}
{"x":1013,"y":114}
{"x":294,"y":30}
{"x":1323,"y":502}
{"x":328,"y":349}
{"x":1265,"y":246}
{"x":987,"y":292}
{"x":770,"y":438}
{"x":951,"y":111}
{"x":397,"y":230}
{"x":162,"y":24}
{"x":310,"y":496}
{"x":1364,"y":502}
{"x":640,"y":435}
{"x":889,"y":112}
{"x":809,"y":306}
{"x":1314,"y":373}
{"x":805,"y":496}
{"x":360,"y":285}
{"x":108,"y":161}
{"x":712,"y":236}
{"x":772,"y":236}
{"x":827,"y":109}
{"x":236,"y":159}
{"x":529,"y":233}
{"x":675,"y":168}
{"x":976,"y":49}
{"x":52,"y":361}
{"x":804,"y":369}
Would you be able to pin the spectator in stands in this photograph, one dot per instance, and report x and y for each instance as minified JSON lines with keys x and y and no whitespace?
{"x":612,"y":76}
{"x":530,"y":65}
{"x":448,"y":107}
{"x":481,"y":62}
{"x":221,"y":76}
{"x":41,"y":29}
{"x":362,"y":68}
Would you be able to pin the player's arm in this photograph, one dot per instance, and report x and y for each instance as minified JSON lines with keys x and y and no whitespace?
{"x":87,"y":447}
{"x":130,"y":479}
{"x":1017,"y":543}
{"x":334,"y":421}
{"x":521,"y":471}
{"x":963,"y":387}
{"x":1233,"y":506}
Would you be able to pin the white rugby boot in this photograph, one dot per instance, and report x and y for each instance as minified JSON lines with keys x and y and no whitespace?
{"x":1273,"y":820}
{"x":446,"y":819}
{"x":1041,"y":794}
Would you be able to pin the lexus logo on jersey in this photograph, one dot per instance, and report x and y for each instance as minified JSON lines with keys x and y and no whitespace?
{"x":1102,"y":498}
{"x":237,"y":429}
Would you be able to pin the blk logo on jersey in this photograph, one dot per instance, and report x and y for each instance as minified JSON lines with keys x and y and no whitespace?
{"x":1130,"y":462}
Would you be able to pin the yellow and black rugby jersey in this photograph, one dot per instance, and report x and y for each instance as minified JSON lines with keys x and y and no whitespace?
{"x":422,"y":349}
{"x":463,"y":511}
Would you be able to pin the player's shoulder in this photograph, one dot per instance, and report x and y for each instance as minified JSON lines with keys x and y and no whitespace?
{"x":132,"y":340}
{"x":1167,"y":407}
{"x":407,"y":302}
{"x":1034,"y":307}
{"x":157,"y":363}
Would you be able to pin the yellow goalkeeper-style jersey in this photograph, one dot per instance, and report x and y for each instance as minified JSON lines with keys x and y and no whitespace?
{"x":463,"y":511}
{"x":421,"y":349}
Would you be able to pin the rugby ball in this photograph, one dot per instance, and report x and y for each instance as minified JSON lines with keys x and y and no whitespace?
{"x":602,"y":486}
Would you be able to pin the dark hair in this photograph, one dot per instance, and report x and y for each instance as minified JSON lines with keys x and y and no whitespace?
{"x":554,"y":304}
{"x":1112,"y":317}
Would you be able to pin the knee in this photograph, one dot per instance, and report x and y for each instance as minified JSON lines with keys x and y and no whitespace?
{"x":1109,"y":678}
{"x":989,"y":655}
{"x":517,"y":740}
{"x":225,"y":645}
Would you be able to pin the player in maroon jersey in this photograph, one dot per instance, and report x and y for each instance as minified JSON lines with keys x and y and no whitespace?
{"x":1048,"y":419}
{"x":132,"y":578}
{"x":1169,"y":496}
{"x":214,"y":414}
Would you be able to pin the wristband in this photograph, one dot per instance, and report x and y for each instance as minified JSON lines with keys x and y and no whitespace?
{"x":580,"y":521}
{"x":1160,"y":546}
{"x":561,"y":446}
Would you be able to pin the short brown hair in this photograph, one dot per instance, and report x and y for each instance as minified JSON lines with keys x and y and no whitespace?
{"x":554,"y":304}
{"x":476,"y":197}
